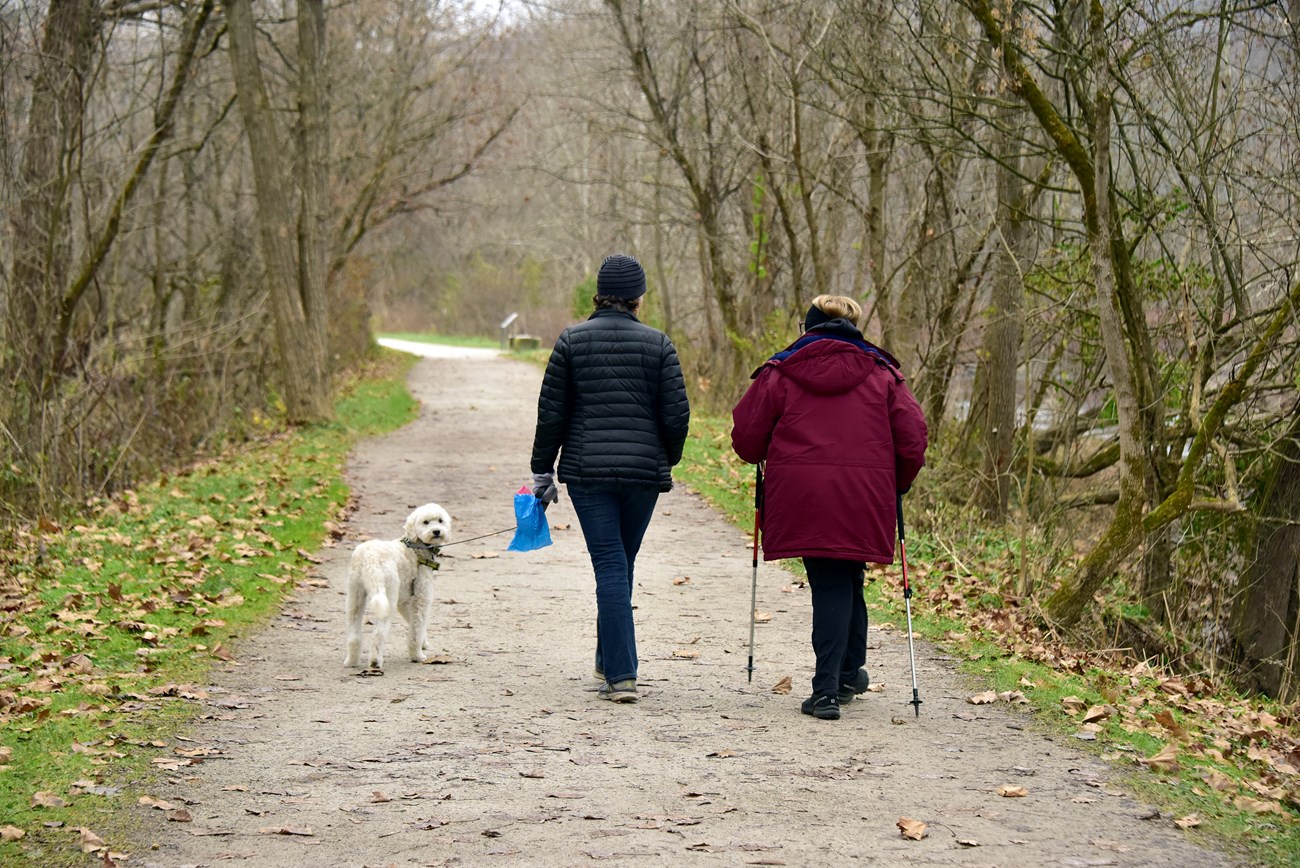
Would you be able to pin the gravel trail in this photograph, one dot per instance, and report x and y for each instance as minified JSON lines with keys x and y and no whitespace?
{"x":499,"y":752}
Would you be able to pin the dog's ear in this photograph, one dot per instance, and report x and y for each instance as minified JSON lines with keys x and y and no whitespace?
{"x":409,"y":530}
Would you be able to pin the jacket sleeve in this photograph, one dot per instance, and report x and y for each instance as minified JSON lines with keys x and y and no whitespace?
{"x":554,"y":406}
{"x":674,"y":406}
{"x":754,"y":419}
{"x":907,"y":422}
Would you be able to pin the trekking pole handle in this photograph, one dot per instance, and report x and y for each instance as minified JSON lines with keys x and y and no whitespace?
{"x":901,"y":535}
{"x":758,"y":487}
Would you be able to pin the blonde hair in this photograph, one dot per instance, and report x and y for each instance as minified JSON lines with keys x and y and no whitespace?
{"x":839,"y":306}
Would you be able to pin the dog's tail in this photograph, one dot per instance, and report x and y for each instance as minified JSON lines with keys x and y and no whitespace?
{"x":381,"y":609}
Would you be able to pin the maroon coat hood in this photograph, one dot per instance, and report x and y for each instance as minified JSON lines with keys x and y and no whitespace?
{"x":842,"y":436}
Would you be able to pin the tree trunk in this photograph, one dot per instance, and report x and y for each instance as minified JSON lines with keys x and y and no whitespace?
{"x":1265,"y":613}
{"x":1125,"y":531}
{"x":879,"y":146}
{"x":314,"y":168}
{"x":1002,"y":336}
{"x":305,"y":384}
{"x":41,"y":248}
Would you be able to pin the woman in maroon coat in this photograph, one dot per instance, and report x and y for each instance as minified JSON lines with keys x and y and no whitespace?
{"x":842,"y":437}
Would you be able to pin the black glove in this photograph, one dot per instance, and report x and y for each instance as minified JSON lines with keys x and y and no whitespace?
{"x":544,"y":488}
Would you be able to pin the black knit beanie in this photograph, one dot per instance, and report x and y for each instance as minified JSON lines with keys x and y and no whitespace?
{"x":620,"y":276}
{"x":815,"y":317}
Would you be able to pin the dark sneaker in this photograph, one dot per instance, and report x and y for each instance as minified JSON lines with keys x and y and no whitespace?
{"x":857,"y":684}
{"x":822,"y":707}
{"x":620,"y":691}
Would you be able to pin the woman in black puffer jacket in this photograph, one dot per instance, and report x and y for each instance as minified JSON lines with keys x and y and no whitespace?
{"x":613,"y":408}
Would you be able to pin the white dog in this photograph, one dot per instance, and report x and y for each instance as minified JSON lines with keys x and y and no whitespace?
{"x":384,"y":571}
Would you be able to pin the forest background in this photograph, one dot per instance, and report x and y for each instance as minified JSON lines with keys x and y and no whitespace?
{"x":1074,"y":223}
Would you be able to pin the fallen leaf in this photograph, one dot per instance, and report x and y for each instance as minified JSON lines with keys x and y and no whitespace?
{"x":1073,"y":704}
{"x":6,"y":754}
{"x":1166,"y":719}
{"x":151,"y":802}
{"x":43,"y":799}
{"x":1218,"y":780}
{"x":11,"y":833}
{"x":968,"y":842}
{"x":721,"y":754}
{"x":762,"y":617}
{"x":485,"y":555}
{"x":1187,"y":822}
{"x":984,"y":698}
{"x":1258,"y":806}
{"x":1263,"y":789}
{"x":686,"y":654}
{"x":1164,"y":761}
{"x":1174,"y":687}
{"x":1097,"y":712}
{"x":911,"y":829}
{"x":90,"y":842}
{"x":379,"y":797}
{"x":681,"y":580}
{"x":1008,"y":791}
{"x":180,"y":815}
{"x":784,"y":686}
{"x":303,"y":831}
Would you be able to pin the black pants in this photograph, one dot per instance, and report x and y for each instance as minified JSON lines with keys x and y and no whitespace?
{"x":839,"y":631}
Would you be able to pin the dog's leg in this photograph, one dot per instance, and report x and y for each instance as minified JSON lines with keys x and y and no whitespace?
{"x":356,"y":614}
{"x":415,"y":627}
{"x":421,"y":604}
{"x":383,"y":617}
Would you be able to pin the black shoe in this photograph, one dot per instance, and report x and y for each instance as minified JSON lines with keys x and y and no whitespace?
{"x":858,"y":684}
{"x":822,"y":707}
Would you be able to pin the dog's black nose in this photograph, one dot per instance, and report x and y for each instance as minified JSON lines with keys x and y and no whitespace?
{"x":437,"y":533}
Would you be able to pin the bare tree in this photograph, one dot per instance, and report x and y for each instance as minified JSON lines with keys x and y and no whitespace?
{"x":299,"y":309}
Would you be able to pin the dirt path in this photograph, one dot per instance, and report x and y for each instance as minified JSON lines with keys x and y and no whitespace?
{"x":505,"y":756}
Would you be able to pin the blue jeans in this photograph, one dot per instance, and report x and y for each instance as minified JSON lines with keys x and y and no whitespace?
{"x":613,"y":523}
{"x":839,"y":622}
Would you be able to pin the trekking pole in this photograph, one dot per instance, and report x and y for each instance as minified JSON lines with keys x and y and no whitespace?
{"x":753,"y":587}
{"x":907,"y":598}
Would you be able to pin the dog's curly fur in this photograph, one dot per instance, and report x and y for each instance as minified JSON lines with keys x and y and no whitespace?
{"x":383,"y":571}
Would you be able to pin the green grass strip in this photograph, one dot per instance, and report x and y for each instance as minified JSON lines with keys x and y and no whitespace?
{"x":114,"y":619}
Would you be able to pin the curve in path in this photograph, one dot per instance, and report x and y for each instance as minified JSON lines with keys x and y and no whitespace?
{"x":500,"y":753}
{"x":438,"y":351}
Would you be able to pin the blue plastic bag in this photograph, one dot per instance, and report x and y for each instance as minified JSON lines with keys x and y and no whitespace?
{"x":531,"y":531}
